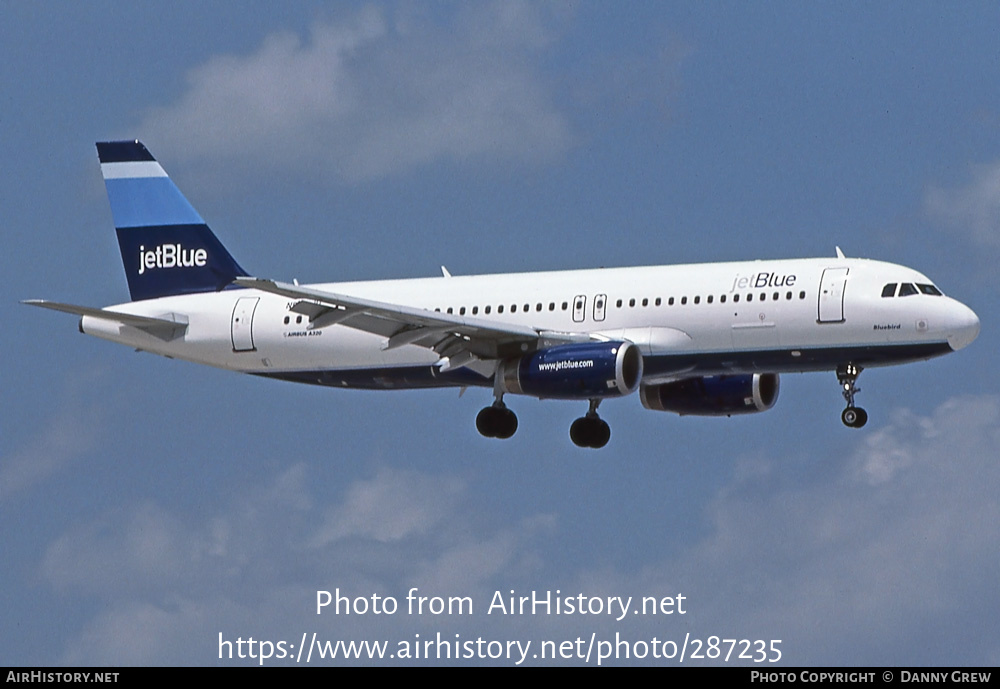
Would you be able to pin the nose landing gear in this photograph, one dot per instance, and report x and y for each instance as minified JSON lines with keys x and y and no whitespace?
{"x":847,"y":376}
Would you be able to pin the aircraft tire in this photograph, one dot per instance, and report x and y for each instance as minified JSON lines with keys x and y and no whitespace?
{"x":602,"y":434}
{"x":486,"y":422}
{"x":854,"y":417}
{"x":496,"y":422}
{"x":506,"y":424}
{"x":590,"y":432}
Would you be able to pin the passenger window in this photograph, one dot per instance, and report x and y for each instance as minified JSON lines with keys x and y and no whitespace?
{"x":889,"y":290}
{"x":658,"y":301}
{"x":684,"y":300}
{"x":736,"y":298}
{"x":645,"y":302}
{"x":488,"y":309}
{"x":722,"y":299}
{"x":710,"y":297}
{"x":500,"y":308}
{"x":802,"y":295}
{"x":670,"y":302}
{"x":907,"y":289}
{"x":749,"y":297}
{"x":697,"y":300}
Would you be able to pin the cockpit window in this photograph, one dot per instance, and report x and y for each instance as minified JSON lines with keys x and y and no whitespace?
{"x":906,"y":289}
{"x":930,"y":289}
{"x":889,"y":290}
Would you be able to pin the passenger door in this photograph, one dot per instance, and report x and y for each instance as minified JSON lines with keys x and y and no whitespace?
{"x":831,"y":295}
{"x":242,"y":325}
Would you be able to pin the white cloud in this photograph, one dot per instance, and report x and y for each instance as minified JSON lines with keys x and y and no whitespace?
{"x":68,"y":436}
{"x":419,"y":504}
{"x":375,"y":95}
{"x":142,"y":633}
{"x":890,"y":560}
{"x":973,"y":209}
{"x":471,"y":565}
{"x":886,"y":557}
{"x":171,"y":583}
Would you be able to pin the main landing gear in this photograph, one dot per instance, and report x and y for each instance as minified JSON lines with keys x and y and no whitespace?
{"x":847,"y":376}
{"x":590,"y":430}
{"x":496,"y":421}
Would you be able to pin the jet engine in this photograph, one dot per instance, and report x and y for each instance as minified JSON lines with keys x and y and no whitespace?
{"x":588,"y":370}
{"x":713,"y":395}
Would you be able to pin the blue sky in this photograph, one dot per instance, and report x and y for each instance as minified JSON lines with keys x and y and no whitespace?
{"x":150,"y":505}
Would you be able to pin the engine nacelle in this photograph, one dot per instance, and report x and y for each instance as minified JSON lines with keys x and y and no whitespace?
{"x":714,"y":395}
{"x":587,"y":370}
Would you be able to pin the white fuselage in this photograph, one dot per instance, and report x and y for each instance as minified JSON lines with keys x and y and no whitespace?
{"x":701,"y":319}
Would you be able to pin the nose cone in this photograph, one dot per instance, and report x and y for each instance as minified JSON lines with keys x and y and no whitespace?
{"x":963,"y":327}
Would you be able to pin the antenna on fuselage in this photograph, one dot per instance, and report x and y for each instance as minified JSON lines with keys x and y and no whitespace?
{"x":840,"y":254}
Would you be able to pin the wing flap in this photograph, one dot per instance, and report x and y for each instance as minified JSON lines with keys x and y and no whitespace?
{"x":402,"y":325}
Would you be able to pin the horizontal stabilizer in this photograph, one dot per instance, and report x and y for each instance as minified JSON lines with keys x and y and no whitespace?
{"x":162,"y":328}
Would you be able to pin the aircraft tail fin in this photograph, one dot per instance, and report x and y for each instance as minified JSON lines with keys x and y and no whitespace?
{"x":166,"y":247}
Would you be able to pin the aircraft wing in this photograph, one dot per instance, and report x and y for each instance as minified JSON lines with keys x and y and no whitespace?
{"x":163,"y":328}
{"x":458,"y":340}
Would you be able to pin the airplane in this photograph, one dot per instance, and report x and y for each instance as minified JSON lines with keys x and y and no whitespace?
{"x":707,"y":339}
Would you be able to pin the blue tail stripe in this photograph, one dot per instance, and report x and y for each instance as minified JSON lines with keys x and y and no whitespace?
{"x":143,"y":201}
{"x":167,"y":249}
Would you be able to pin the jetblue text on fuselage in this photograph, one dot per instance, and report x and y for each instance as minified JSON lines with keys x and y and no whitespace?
{"x":757,"y":280}
{"x":171,"y":256}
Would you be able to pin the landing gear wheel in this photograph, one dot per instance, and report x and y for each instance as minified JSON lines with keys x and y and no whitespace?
{"x":496,"y":421}
{"x":508,"y":424}
{"x":590,"y":430}
{"x":602,"y":434}
{"x":854,"y":417}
